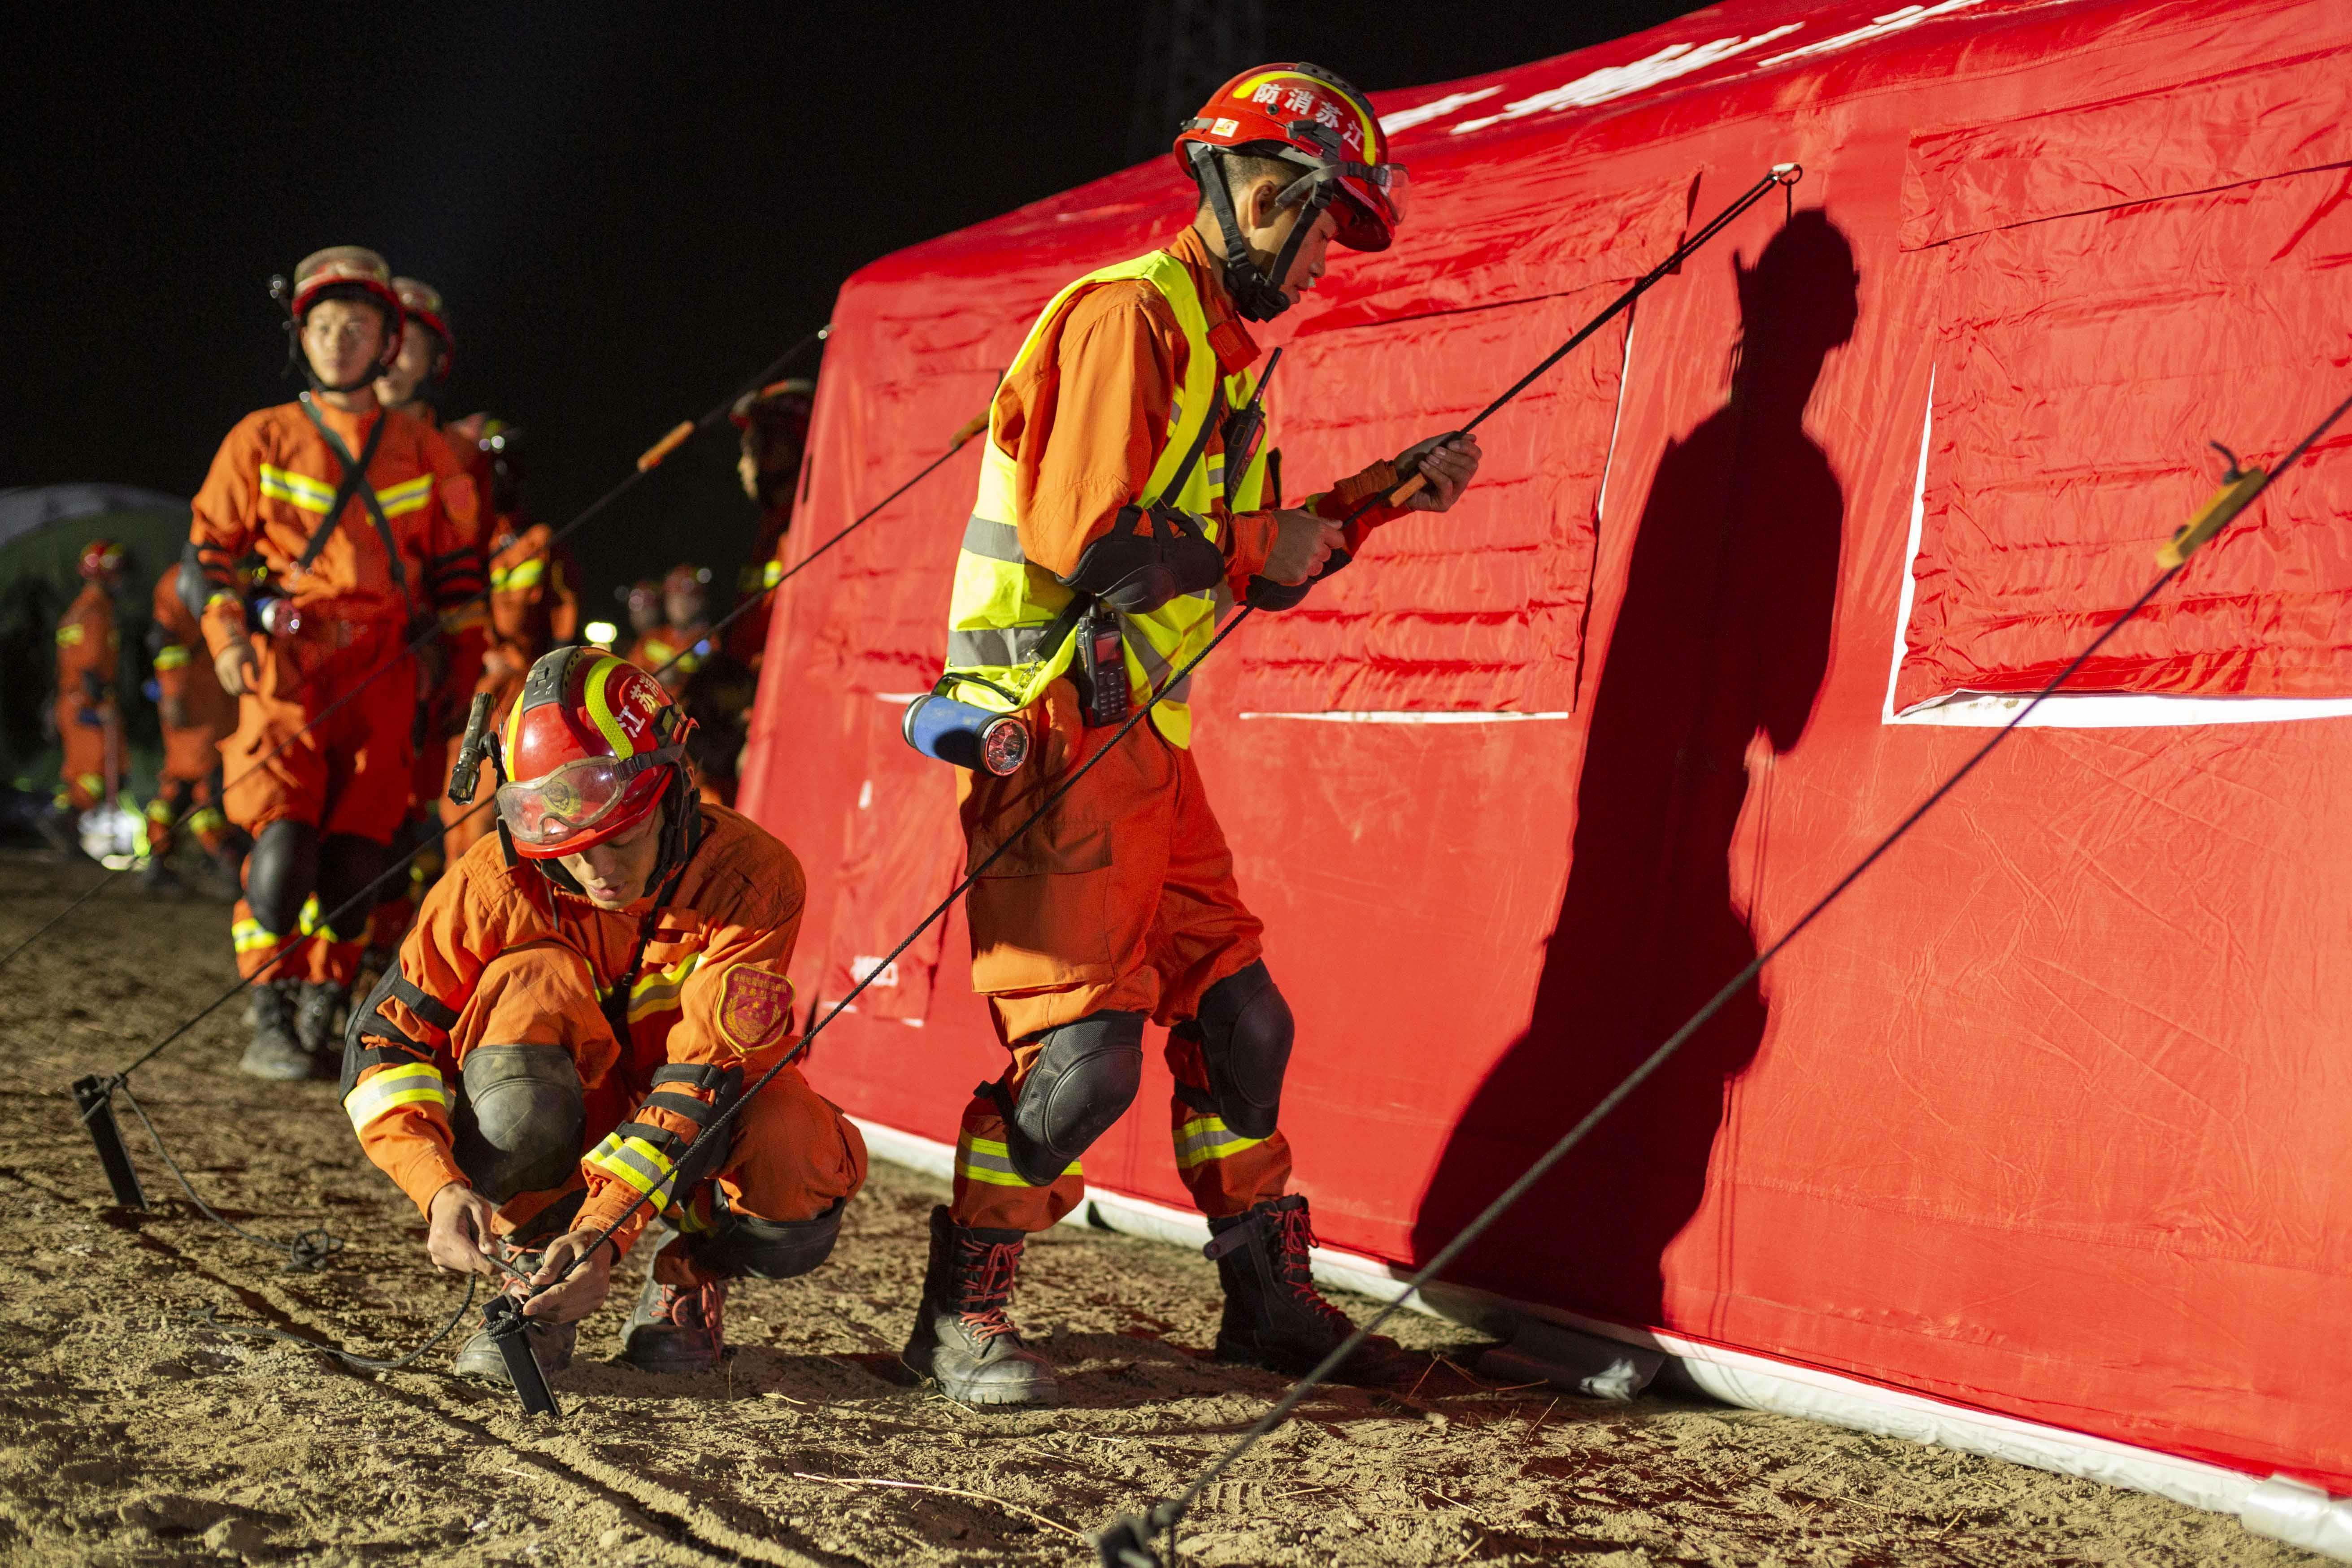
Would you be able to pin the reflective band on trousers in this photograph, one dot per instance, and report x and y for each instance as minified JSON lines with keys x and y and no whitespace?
{"x":635,"y":1164}
{"x":987,"y":1160}
{"x":417,"y":1083}
{"x":1001,"y":603}
{"x":252,"y":936}
{"x":313,"y":922}
{"x":1200,"y":1139}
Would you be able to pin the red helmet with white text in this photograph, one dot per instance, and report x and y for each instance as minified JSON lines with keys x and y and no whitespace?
{"x":1305,"y":115}
{"x":591,"y":749}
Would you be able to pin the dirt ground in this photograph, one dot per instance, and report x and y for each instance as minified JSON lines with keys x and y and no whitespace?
{"x":132,"y":1433}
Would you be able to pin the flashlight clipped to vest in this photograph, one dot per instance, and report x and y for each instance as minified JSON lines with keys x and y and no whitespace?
{"x":977,"y":738}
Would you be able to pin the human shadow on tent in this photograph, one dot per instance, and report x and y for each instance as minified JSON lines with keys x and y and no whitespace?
{"x":1723,"y":634}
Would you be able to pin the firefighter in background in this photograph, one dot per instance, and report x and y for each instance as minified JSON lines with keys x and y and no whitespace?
{"x":677,"y":645}
{"x":366,"y":527}
{"x":534,"y":606}
{"x":641,"y":608}
{"x":1111,"y":521}
{"x":88,"y":719}
{"x":774,"y":422}
{"x":196,"y":715}
{"x":411,"y":387}
{"x":583,"y":994}
{"x":687,"y":659}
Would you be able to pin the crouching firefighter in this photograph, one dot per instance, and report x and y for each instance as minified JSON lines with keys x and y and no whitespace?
{"x":1124,"y":499}
{"x":581,"y":994}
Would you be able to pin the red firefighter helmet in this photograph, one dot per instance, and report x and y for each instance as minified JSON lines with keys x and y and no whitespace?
{"x":592,"y":747}
{"x":101,"y":558}
{"x":348,"y":271}
{"x":420,"y":303}
{"x":1305,"y":115}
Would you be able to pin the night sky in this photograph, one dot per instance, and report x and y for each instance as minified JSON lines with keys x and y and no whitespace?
{"x":628,"y":209}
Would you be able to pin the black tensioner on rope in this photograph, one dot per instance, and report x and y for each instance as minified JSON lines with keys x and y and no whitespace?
{"x":510,"y":1331}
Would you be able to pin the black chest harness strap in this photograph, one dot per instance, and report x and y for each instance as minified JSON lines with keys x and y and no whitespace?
{"x":355,"y":483}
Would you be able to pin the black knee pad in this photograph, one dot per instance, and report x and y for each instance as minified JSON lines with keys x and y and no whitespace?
{"x":767,"y":1249}
{"x":1084,"y":1078}
{"x":1245,"y":1031}
{"x":520,"y":1119}
{"x":281,"y":873}
{"x":347,"y":864}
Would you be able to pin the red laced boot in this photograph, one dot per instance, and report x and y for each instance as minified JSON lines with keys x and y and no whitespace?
{"x":1274,"y":1317}
{"x":961,"y":1336}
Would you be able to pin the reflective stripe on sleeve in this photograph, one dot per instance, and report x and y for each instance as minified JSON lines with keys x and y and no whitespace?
{"x":298,"y":490}
{"x":633,"y":1163}
{"x":987,"y":1160}
{"x":418,"y":1083}
{"x":171,"y":655}
{"x":252,"y":936}
{"x":1200,"y":1139}
{"x":403,"y":499}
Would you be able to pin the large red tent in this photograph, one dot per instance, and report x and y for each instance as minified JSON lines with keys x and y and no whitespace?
{"x":2043,"y":1131}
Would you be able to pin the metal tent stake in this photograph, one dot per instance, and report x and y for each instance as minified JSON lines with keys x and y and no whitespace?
{"x":94,"y":1096}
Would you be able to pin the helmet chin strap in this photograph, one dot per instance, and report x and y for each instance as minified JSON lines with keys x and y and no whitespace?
{"x":1257,"y":297}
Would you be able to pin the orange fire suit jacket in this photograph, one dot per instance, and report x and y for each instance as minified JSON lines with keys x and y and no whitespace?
{"x":267,"y":492}
{"x":196,"y":714}
{"x":534,"y":600}
{"x":88,"y":648}
{"x":665,"y":643}
{"x":1086,"y":417}
{"x":711,"y":989}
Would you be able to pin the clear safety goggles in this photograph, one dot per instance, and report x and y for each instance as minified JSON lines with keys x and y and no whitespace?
{"x":549,"y":812}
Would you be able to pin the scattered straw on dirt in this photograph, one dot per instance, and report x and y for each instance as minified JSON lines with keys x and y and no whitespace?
{"x":131,"y":1432}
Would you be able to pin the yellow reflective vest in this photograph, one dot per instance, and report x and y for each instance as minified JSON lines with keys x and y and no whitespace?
{"x":1004,"y":609}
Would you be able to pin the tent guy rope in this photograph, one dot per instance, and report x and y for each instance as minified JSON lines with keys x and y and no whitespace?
{"x":1126,"y":1541}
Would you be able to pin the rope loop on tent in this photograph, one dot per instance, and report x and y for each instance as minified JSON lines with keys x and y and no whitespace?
{"x":1126,"y":1541}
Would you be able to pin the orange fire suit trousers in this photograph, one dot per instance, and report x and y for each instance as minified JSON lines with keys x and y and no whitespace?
{"x":794,"y":1156}
{"x":1122,"y":898}
{"x":319,"y":742}
{"x":82,"y":733}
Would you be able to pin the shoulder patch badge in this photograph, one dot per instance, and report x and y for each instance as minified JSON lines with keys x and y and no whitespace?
{"x":755,"y":1007}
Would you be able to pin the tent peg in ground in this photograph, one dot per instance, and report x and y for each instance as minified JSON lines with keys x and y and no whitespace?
{"x":94,"y":1097}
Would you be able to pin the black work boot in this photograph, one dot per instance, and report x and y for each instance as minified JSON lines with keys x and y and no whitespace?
{"x":277,"y":1051}
{"x":60,"y":829}
{"x":961,"y":1336}
{"x":1274,"y":1318}
{"x":315,"y":1006}
{"x":676,"y":1328}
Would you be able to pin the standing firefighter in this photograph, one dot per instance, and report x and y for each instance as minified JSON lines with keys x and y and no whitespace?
{"x":366,"y":527}
{"x":89,"y":721}
{"x":579,"y":998}
{"x":774,"y":422}
{"x":1110,"y":522}
{"x":196,"y":715}
{"x":534,"y":604}
{"x":409,"y":387}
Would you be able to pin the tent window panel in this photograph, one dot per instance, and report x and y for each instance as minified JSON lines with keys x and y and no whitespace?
{"x":2082,"y":363}
{"x":1480,"y":608}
